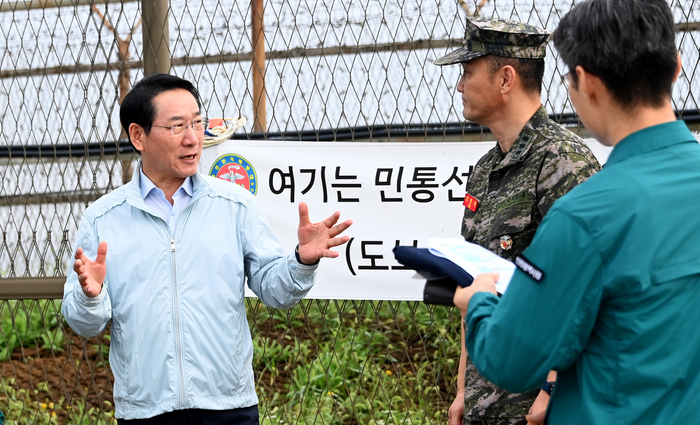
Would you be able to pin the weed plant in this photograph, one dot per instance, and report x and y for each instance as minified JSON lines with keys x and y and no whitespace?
{"x":29,"y":323}
{"x":21,"y":408}
{"x":321,"y":362}
{"x":355,"y":362}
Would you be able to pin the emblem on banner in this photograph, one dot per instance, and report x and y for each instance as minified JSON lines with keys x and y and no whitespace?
{"x":236,"y":169}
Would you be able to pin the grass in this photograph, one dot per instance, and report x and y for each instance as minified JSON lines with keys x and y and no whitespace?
{"x":322,"y":362}
{"x":21,"y":408}
{"x":29,"y":323}
{"x":340,"y":362}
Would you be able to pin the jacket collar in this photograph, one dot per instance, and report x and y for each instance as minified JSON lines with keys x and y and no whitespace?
{"x":650,"y":139}
{"x":146,"y":185}
{"x":200,"y":188}
{"x":521,"y":146}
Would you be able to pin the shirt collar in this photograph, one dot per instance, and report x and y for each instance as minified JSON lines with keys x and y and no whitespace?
{"x":146,"y":185}
{"x":650,"y":139}
{"x":187,"y":186}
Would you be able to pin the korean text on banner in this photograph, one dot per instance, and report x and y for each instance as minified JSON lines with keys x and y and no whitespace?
{"x":395,"y":193}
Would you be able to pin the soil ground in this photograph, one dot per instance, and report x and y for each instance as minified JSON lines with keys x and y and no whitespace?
{"x":78,"y":373}
{"x":82,"y":373}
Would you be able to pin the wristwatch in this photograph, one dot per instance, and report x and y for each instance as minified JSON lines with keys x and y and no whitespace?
{"x":548,"y":387}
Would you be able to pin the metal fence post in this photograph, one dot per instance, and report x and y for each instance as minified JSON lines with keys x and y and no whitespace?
{"x":257,"y":26}
{"x":156,"y":37}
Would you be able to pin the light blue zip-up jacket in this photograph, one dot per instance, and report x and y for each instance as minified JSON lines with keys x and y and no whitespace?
{"x":180,"y":338}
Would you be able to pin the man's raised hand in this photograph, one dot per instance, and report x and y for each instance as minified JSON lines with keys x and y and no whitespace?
{"x":316,"y":239}
{"x":91,"y":274}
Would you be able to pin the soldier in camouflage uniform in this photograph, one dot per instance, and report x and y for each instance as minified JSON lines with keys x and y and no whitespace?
{"x":513,"y":186}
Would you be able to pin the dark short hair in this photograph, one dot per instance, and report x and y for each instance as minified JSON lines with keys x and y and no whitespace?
{"x":137,"y":106}
{"x":531,"y":71}
{"x":628,"y":44}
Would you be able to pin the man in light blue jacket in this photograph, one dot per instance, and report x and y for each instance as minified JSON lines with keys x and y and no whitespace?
{"x":181,"y":246}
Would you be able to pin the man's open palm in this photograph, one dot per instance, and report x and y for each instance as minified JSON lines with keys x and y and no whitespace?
{"x":316,"y":239}
{"x":91,"y":274}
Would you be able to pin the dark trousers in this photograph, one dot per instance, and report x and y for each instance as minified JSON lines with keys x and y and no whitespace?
{"x":243,"y":416}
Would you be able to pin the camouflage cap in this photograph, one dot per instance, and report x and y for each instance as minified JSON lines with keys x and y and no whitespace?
{"x":500,"y":37}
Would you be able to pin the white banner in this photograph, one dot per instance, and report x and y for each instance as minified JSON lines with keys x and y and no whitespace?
{"x":395,"y":193}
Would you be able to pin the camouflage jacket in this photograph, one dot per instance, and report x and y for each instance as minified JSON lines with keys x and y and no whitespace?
{"x":515,"y":190}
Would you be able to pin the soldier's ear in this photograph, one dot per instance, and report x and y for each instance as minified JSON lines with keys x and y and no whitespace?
{"x":508,"y":79}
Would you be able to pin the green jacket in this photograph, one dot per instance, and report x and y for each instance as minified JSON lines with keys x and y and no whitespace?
{"x":515,"y":190}
{"x":615,"y":309}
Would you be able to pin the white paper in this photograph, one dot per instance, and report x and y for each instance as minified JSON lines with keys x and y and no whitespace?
{"x":473,"y":258}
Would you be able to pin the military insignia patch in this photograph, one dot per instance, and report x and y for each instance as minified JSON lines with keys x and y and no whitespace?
{"x":506,"y":243}
{"x":236,"y":169}
{"x":471,"y":203}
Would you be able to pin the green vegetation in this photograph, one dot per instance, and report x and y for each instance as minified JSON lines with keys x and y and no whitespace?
{"x":341,"y":362}
{"x":21,"y":408}
{"x":322,"y":362}
{"x":29,"y":323}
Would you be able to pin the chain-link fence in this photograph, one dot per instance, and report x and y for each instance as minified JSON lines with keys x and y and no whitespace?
{"x":298,"y":70}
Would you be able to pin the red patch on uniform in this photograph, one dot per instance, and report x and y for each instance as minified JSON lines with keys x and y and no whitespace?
{"x":471,"y":203}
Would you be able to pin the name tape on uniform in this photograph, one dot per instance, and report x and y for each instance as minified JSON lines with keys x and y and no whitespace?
{"x":529,"y":269}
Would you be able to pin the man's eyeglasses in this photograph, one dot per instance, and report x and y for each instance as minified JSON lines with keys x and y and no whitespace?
{"x":200,"y":124}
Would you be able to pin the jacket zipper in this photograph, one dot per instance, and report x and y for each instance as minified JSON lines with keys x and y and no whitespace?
{"x":176,"y":302}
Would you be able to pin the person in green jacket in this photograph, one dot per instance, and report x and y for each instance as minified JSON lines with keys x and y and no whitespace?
{"x":607,"y":294}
